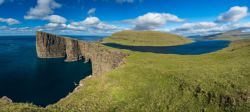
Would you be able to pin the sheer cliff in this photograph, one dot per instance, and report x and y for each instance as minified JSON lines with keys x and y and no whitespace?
{"x":103,"y":59}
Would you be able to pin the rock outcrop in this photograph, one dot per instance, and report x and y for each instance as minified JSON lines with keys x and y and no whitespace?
{"x":102,"y":58}
{"x":5,"y":99}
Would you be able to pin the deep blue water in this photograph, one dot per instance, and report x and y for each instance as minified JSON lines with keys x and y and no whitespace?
{"x":194,"y":48}
{"x":25,"y":78}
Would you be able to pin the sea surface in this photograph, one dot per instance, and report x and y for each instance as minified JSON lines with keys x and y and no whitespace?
{"x":26,"y":78}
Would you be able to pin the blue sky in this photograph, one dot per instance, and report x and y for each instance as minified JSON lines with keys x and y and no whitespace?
{"x":103,"y":17}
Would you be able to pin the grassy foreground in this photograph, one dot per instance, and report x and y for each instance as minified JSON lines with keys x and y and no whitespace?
{"x":149,"y":82}
{"x":146,"y":38}
{"x":212,"y":82}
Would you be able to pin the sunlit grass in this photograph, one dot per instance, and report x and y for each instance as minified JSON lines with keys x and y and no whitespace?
{"x":158,"y":82}
{"x":146,"y":38}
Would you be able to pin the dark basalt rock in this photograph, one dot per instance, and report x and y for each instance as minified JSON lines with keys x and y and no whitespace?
{"x":103,"y":59}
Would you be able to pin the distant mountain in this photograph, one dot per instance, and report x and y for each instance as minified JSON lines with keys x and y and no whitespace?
{"x":230,"y":35}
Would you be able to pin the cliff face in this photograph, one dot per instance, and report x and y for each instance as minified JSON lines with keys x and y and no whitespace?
{"x":50,"y":46}
{"x":102,"y":58}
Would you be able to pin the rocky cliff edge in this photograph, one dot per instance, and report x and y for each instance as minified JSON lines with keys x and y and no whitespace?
{"x":102,"y":58}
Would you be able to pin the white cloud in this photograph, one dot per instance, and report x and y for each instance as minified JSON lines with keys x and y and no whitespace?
{"x":124,"y":1}
{"x":3,"y":27}
{"x":15,"y":30}
{"x":55,"y":26}
{"x":91,"y":11}
{"x":56,"y":19}
{"x":151,"y":21}
{"x":206,"y":28}
{"x":245,"y":25}
{"x":197,"y":28}
{"x":76,"y":28}
{"x":198,"y":25}
{"x":9,"y":21}
{"x":228,"y":20}
{"x":91,"y":23}
{"x":43,"y":9}
{"x":234,"y":14}
{"x":104,"y":26}
{"x":1,"y":2}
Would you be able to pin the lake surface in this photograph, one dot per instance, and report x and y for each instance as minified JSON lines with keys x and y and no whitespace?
{"x":194,"y":48}
{"x":25,"y":78}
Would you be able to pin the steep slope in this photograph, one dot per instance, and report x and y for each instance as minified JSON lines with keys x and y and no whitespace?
{"x":102,"y":58}
{"x":146,"y":38}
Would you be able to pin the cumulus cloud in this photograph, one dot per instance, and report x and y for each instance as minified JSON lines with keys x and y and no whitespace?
{"x":88,"y":25}
{"x":56,"y":23}
{"x":9,"y":21}
{"x":91,"y":11}
{"x":91,"y":23}
{"x":234,"y":14}
{"x":3,"y":27}
{"x":55,"y":26}
{"x":16,"y":30}
{"x":196,"y":26}
{"x":121,"y":1}
{"x":56,"y":19}
{"x":1,"y":2}
{"x":206,"y":28}
{"x":43,"y":9}
{"x":225,"y":22}
{"x":151,"y":21}
{"x":104,"y":26}
{"x":124,"y":1}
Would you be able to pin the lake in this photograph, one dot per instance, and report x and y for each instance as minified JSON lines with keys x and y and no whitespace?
{"x":26,"y":78}
{"x":194,"y":48}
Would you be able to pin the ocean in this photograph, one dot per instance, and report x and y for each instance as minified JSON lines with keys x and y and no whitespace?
{"x":26,"y":78}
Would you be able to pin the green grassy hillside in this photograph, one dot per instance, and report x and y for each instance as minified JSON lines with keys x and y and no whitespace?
{"x":157,"y":82}
{"x":146,"y":38}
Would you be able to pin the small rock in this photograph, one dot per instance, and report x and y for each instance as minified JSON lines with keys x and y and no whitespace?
{"x":5,"y":98}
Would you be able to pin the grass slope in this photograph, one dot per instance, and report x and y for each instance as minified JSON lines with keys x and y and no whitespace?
{"x":212,"y":82}
{"x":146,"y":38}
{"x":6,"y":106}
